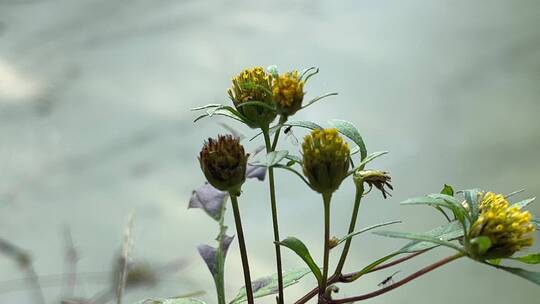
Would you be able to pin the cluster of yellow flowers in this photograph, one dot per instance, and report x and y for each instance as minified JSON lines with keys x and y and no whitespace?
{"x":507,"y":226}
{"x":326,"y":159}
{"x":288,"y":92}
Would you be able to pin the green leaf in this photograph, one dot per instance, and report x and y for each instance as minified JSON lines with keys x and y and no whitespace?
{"x":419,"y":237}
{"x":533,"y":258}
{"x":256,"y":103}
{"x":513,"y":193}
{"x":350,"y":235}
{"x":494,"y":261}
{"x":275,"y":157}
{"x":448,"y":190}
{"x":522,"y":204}
{"x":269,"y":285}
{"x":314,"y":100}
{"x":447,"y":232}
{"x":349,"y":130}
{"x":208,"y":106}
{"x":369,"y":267}
{"x":303,"y":124}
{"x":471,"y":196}
{"x":483,"y":243}
{"x":301,"y":250}
{"x":441,"y":200}
{"x":371,"y":157}
{"x":531,"y":276}
{"x":536,"y":222}
{"x":294,"y":158}
{"x":172,"y":301}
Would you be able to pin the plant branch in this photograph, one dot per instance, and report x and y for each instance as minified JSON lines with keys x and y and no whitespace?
{"x":401,"y":282}
{"x":242,"y":244}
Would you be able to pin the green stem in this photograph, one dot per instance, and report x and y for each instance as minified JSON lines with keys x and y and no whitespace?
{"x":219,"y":278}
{"x":327,"y":197}
{"x":356,"y":208}
{"x":273,"y":206}
{"x":242,"y":244}
{"x":282,"y":120}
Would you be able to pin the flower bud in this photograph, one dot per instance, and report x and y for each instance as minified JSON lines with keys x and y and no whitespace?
{"x":379,"y":179}
{"x":253,"y":85}
{"x":223,"y":162}
{"x":508,"y":228}
{"x":326,"y":159}
{"x":288,"y":92}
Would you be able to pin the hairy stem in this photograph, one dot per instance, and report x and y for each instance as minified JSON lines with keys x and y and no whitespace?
{"x":401,"y":282}
{"x":273,"y":206}
{"x":327,"y":197}
{"x":242,"y":244}
{"x":356,"y":208}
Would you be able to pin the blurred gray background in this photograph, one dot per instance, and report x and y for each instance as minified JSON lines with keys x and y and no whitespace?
{"x":95,"y":123}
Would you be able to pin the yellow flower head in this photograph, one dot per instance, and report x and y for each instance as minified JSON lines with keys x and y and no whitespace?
{"x":508,"y":227}
{"x":253,"y":85}
{"x":326,"y":159}
{"x":288,"y":92}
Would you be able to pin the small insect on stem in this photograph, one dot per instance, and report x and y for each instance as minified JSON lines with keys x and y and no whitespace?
{"x":388,"y":281}
{"x":290,"y":136}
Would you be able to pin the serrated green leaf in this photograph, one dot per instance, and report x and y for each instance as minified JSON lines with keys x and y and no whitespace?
{"x":531,"y":276}
{"x":349,"y":130}
{"x":419,"y":237}
{"x":522,"y":204}
{"x":275,"y":157}
{"x":301,"y":250}
{"x":171,"y":301}
{"x":269,"y":285}
{"x":350,"y":235}
{"x":447,"y":232}
{"x":533,"y":258}
{"x":448,"y":190}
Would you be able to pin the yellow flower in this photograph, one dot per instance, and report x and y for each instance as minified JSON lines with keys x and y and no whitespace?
{"x":326,"y":159}
{"x":223,"y":162}
{"x":288,"y":92}
{"x":508,"y":227}
{"x":253,"y":85}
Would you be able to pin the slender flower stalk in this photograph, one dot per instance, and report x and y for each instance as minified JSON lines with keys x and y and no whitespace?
{"x":242,"y":245}
{"x":356,"y":208}
{"x":327,"y":197}
{"x":273,"y":205}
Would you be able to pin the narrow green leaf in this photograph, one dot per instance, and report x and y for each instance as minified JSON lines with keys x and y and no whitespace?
{"x":294,"y":158}
{"x":531,"y":276}
{"x":256,"y":103}
{"x":369,"y":267}
{"x":533,"y":258}
{"x":172,"y":301}
{"x":208,"y":106}
{"x":350,"y":235}
{"x":514,"y":193}
{"x":419,"y":237}
{"x":494,"y":261}
{"x":536,"y":222}
{"x":301,"y":250}
{"x":441,"y":200}
{"x":269,"y":285}
{"x":303,"y":124}
{"x":522,"y":204}
{"x":447,"y":232}
{"x":371,"y":157}
{"x":471,"y":196}
{"x":314,"y":100}
{"x":349,"y":130}
{"x":448,"y":190}
{"x":275,"y":157}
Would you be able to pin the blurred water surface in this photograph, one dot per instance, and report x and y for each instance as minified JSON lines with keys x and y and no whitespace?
{"x":95,"y":122}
